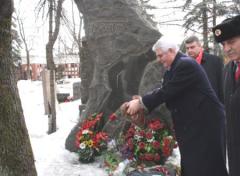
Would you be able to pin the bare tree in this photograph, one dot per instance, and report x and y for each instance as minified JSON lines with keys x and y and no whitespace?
{"x":74,"y":29}
{"x":52,"y":37}
{"x":54,"y":15}
{"x":16,"y":157}
{"x":26,"y":44}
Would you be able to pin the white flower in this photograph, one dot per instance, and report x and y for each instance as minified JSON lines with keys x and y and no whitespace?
{"x":150,"y":140}
{"x":82,"y":145}
{"x":137,"y":137}
{"x":169,"y":137}
{"x":85,"y":132}
{"x":111,"y":144}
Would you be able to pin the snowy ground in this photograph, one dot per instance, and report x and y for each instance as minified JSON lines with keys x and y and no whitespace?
{"x":51,"y":157}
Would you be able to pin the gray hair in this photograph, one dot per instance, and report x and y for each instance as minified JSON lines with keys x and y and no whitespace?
{"x":165,"y":43}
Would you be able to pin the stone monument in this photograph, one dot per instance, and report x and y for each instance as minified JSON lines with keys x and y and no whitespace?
{"x":119,"y":38}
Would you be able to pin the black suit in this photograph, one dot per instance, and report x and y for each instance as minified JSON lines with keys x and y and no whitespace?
{"x":213,"y":66}
{"x":232,"y":104}
{"x":198,"y":117}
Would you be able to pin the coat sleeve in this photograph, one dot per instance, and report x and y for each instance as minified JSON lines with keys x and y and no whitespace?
{"x":220,"y":79}
{"x":184,"y":76}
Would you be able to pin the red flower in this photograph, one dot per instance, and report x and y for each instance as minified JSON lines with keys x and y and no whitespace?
{"x":166,"y":141}
{"x":155,"y":125}
{"x":130,"y":133}
{"x":166,"y":151}
{"x":156,"y":144}
{"x":141,"y":145}
{"x":149,"y":156}
{"x":79,"y":134}
{"x":112,"y":117}
{"x":149,"y":135}
{"x":142,"y":133}
{"x":101,"y":136}
{"x":130,"y":144}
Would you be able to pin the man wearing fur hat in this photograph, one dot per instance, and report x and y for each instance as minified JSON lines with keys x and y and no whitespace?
{"x":228,"y":34}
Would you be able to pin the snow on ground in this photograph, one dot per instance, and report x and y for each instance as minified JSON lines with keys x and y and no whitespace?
{"x":50,"y":155}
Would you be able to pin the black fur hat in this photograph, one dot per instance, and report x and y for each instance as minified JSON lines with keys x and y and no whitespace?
{"x":228,"y":29}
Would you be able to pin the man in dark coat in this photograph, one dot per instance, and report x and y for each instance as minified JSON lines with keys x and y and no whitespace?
{"x":198,"y":115}
{"x":213,"y":65}
{"x":228,"y":34}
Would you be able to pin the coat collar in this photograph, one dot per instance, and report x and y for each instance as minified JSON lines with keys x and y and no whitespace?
{"x":204,"y":57}
{"x":177,"y":57}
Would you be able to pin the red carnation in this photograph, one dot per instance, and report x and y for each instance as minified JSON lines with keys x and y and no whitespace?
{"x":141,"y":145}
{"x":142,"y":133}
{"x":148,"y":156}
{"x":155,"y":125}
{"x":149,"y":135}
{"x":156,"y":144}
{"x":166,"y":151}
{"x":112,"y":117}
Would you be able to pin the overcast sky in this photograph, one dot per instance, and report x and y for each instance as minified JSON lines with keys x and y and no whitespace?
{"x":35,"y":28}
{"x":165,"y":13}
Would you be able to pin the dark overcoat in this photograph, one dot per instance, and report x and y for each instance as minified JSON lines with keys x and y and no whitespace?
{"x":198,"y":117}
{"x":213,"y":66}
{"x":232,"y":104}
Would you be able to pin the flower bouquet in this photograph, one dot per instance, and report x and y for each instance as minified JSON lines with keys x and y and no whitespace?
{"x":149,"y":146}
{"x":138,"y":148}
{"x":89,"y":141}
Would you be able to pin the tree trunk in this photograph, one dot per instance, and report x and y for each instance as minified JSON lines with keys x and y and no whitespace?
{"x":205,"y":26}
{"x":52,"y":122}
{"x":16,"y":156}
{"x":50,"y":62}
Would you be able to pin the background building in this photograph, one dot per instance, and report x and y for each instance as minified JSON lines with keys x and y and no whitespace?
{"x":66,"y":66}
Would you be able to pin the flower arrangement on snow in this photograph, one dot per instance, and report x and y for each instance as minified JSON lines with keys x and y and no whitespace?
{"x":138,"y":147}
{"x":149,"y":146}
{"x":89,"y":141}
{"x":134,"y":147}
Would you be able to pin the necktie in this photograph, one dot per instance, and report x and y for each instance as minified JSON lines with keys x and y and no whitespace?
{"x":237,"y":73}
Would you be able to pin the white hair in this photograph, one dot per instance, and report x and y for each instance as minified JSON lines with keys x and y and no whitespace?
{"x":165,"y":43}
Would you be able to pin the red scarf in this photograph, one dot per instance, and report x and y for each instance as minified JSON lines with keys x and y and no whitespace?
{"x":199,"y":58}
{"x":237,"y":73}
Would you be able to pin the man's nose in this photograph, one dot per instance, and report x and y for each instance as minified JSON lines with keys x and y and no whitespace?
{"x":226,"y":47}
